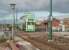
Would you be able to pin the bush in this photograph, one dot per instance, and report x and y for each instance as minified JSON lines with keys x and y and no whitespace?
{"x":2,"y":39}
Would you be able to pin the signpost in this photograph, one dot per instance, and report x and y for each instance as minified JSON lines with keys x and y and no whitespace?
{"x":50,"y":23}
{"x":12,"y":6}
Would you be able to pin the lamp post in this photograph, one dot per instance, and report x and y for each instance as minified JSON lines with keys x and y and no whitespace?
{"x":50,"y":23}
{"x":12,"y":6}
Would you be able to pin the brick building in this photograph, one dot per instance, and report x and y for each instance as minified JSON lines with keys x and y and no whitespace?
{"x":66,"y":24}
{"x":43,"y":25}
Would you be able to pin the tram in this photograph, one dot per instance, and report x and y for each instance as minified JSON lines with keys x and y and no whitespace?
{"x":30,"y":22}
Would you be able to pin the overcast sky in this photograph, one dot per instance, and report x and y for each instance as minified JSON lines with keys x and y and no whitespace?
{"x":59,"y":6}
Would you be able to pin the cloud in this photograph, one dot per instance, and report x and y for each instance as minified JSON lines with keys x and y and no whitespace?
{"x":27,"y":5}
{"x":34,"y":5}
{"x":43,"y":5}
{"x":61,"y":6}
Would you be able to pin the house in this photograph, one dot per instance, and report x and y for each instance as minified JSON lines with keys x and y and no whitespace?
{"x":66,"y":24}
{"x":56,"y":24}
{"x":43,"y":25}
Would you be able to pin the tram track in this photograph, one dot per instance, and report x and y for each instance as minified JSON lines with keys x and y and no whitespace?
{"x":54,"y":44}
{"x":39,"y":42}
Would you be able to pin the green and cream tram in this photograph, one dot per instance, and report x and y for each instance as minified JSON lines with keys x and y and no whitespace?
{"x":30,"y":22}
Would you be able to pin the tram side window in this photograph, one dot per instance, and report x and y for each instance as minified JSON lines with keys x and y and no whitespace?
{"x":30,"y":19}
{"x":30,"y":23}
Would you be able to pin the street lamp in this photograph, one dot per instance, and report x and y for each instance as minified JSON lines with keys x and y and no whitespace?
{"x":12,"y":6}
{"x":50,"y":23}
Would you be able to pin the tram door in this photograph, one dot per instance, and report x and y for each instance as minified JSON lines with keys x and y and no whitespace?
{"x":30,"y":26}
